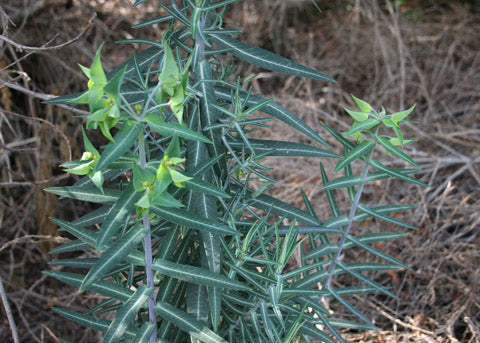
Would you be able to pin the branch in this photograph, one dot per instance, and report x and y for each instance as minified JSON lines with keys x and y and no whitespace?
{"x":8,"y":310}
{"x":29,"y":119}
{"x":44,"y":47}
{"x":41,"y":96}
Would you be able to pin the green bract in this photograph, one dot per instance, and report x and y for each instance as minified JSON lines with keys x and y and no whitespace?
{"x":188,"y":248}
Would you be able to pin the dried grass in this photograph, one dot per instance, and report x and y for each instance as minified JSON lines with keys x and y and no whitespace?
{"x":389,"y":57}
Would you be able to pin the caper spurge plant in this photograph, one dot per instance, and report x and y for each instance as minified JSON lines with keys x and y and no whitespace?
{"x":189,"y":246}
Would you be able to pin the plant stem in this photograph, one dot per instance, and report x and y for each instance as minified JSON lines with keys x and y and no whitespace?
{"x":353,"y":210}
{"x":148,"y":249}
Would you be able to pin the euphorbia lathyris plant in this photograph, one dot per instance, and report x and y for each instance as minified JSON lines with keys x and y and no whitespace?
{"x":187,"y":249}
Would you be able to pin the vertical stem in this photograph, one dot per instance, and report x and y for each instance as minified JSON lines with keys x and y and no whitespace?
{"x":351,"y":214}
{"x":148,"y":249}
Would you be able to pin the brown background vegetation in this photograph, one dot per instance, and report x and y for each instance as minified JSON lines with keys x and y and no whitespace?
{"x":423,"y":52}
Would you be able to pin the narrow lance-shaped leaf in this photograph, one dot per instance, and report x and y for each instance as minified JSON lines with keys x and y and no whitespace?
{"x":192,"y":220}
{"x":169,"y":129}
{"x":205,"y":206}
{"x":89,"y":194}
{"x":197,"y":275}
{"x":275,"y":111}
{"x":89,"y":237}
{"x":187,"y":323}
{"x":91,"y":322}
{"x":209,"y":115}
{"x":349,"y":307}
{"x":196,"y":302}
{"x":399,"y":116}
{"x":365,"y":279}
{"x":102,"y":287}
{"x":115,"y":219}
{"x":266,"y":202}
{"x":395,"y":173}
{"x":354,"y":180}
{"x":385,"y":142}
{"x":117,"y":252}
{"x":144,"y":333}
{"x":204,"y":187}
{"x":364,"y":125}
{"x":95,"y":217}
{"x":124,"y":140}
{"x":322,"y":250}
{"x":75,"y":245}
{"x":266,"y":59}
{"x":282,"y":148}
{"x":362,"y":105}
{"x":354,"y":154}
{"x":126,"y":314}
{"x":389,"y":219}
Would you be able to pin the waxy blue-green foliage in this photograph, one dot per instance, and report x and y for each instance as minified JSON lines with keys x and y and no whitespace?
{"x":187,"y":249}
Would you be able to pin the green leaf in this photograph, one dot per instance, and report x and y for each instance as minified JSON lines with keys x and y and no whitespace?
{"x":187,"y":323}
{"x":358,"y":116}
{"x":385,"y":142}
{"x":275,"y":111}
{"x":116,"y":253}
{"x":197,"y":304}
{"x":152,"y":21}
{"x":82,"y":263}
{"x":117,"y":216}
{"x":349,"y":307}
{"x":165,"y":199}
{"x":266,"y":59}
{"x":282,"y":148}
{"x":278,"y":207}
{"x":145,"y":332}
{"x":192,"y":220}
{"x":354,"y":180}
{"x":267,"y":323}
{"x":395,"y":141}
{"x":126,"y":314}
{"x":105,"y":288}
{"x":322,"y":250}
{"x":86,"y":236}
{"x":75,"y":245}
{"x":312,"y":331}
{"x":368,"y":281}
{"x":200,"y":186}
{"x":142,"y":178}
{"x":88,"y":145}
{"x":389,"y":219}
{"x":89,"y":194}
{"x":197,"y":275}
{"x":376,"y":237}
{"x":124,"y":139}
{"x":209,"y":114}
{"x":91,"y":322}
{"x":112,"y":88}
{"x":178,"y":178}
{"x":395,"y":173}
{"x":144,"y":60}
{"x":170,"y":76}
{"x":399,"y":116}
{"x":94,"y":217}
{"x":356,"y":153}
{"x":362,"y":105}
{"x":322,"y":275}
{"x":97,"y":75}
{"x":365,"y":125}
{"x":169,"y":129}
